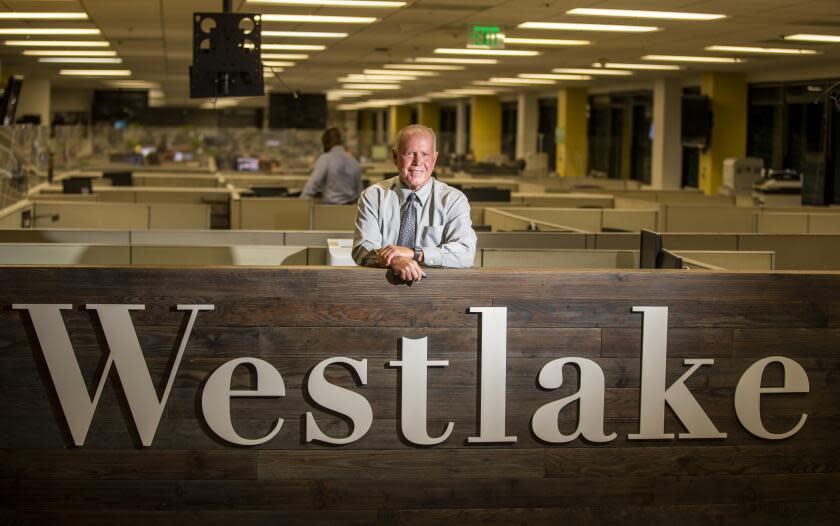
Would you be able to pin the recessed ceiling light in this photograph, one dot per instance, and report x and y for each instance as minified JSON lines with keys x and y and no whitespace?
{"x":371,"y":86}
{"x":302,"y":34}
{"x":68,"y":53}
{"x":457,"y":60}
{"x":635,"y":13}
{"x":137,"y":84}
{"x":594,"y":71}
{"x":317,"y":19}
{"x":278,"y":63}
{"x":81,"y":60}
{"x":392,"y":72}
{"x":553,"y":76}
{"x":42,"y":16}
{"x":331,"y":3}
{"x":494,"y":52}
{"x":295,"y":47}
{"x":622,"y":65}
{"x":770,"y":50}
{"x":374,"y":78}
{"x":805,"y":37}
{"x":546,"y":41}
{"x":683,"y":58}
{"x":284,"y":56}
{"x":47,"y":31}
{"x":566,"y":26}
{"x":511,"y":80}
{"x":57,"y":43}
{"x":433,"y":67}
{"x":96,"y":72}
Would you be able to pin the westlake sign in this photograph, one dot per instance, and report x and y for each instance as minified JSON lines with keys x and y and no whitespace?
{"x":146,"y":408}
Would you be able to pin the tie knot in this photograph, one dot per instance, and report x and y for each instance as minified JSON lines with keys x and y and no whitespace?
{"x":411,"y":197}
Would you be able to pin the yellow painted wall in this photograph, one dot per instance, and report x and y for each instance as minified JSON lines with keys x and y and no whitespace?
{"x":572,"y":143}
{"x":728,"y":92}
{"x":428,"y":114}
{"x":398,"y":118}
{"x":486,"y":126}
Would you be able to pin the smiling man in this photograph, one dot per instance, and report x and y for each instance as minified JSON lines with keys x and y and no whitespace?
{"x":413,"y":220}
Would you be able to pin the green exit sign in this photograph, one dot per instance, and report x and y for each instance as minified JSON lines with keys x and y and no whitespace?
{"x":486,"y":37}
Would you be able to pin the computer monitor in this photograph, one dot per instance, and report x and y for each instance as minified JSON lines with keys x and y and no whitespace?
{"x":9,"y":101}
{"x":670,"y":260}
{"x":651,"y":246}
{"x":119,"y":178}
{"x":247,"y":164}
{"x":77,"y":185}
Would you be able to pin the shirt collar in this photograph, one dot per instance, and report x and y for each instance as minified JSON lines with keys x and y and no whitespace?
{"x":422,"y":194}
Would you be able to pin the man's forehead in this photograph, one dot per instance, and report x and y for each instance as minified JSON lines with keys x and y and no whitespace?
{"x":414,"y":133}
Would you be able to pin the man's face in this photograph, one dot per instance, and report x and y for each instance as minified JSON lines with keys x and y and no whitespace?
{"x":415,"y":159}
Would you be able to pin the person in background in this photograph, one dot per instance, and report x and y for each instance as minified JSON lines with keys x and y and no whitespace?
{"x":337,"y":175}
{"x":413,"y":219}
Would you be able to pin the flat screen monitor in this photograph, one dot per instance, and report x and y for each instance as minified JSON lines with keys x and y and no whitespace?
{"x":8,"y":104}
{"x":77,"y":185}
{"x":247,"y":164}
{"x":651,"y":246}
{"x":307,"y":111}
{"x":670,"y":260}
{"x":119,"y":178}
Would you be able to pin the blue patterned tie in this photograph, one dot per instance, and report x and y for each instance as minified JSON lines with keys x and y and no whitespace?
{"x":408,"y":223}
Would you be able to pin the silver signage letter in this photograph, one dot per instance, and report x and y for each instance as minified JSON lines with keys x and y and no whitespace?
{"x":215,"y":400}
{"x":338,"y":399}
{"x":493,"y":375}
{"x":748,"y":395}
{"x":125,"y":354}
{"x":590,"y":408}
{"x":654,"y":395}
{"x":414,"y":365}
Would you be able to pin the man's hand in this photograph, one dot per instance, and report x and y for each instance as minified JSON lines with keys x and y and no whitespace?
{"x":407,"y":269}
{"x":387,"y":254}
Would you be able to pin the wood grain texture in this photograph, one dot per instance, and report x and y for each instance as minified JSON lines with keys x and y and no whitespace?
{"x":295,"y":317}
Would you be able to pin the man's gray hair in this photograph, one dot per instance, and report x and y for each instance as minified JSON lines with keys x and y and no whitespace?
{"x":414,"y":128}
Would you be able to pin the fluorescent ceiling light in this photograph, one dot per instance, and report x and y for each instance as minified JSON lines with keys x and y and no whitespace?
{"x":546,"y":41}
{"x":81,"y":60}
{"x":471,"y":91}
{"x":594,"y":71}
{"x":434,"y":67}
{"x":156,"y":94}
{"x":805,"y":37}
{"x":371,"y":86}
{"x":317,"y":19}
{"x":553,"y":76}
{"x":457,"y":60}
{"x":363,"y":78}
{"x":771,"y":50}
{"x":302,"y":34}
{"x":622,"y":65}
{"x":42,"y":16}
{"x":68,"y":53}
{"x":96,"y":72}
{"x":284,"y":56}
{"x":278,"y":63}
{"x":138,"y":84}
{"x":511,"y":80}
{"x":331,"y":3}
{"x":269,"y":72}
{"x":566,"y":26}
{"x":295,"y":47}
{"x":634,"y":13}
{"x":47,"y":31}
{"x":57,"y":43}
{"x":392,"y":72}
{"x":682,"y":58}
{"x":496,"y":52}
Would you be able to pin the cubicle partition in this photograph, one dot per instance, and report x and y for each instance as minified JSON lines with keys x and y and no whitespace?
{"x":312,"y":395}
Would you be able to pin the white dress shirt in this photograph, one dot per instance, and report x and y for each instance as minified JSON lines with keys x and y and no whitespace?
{"x":444,"y":228}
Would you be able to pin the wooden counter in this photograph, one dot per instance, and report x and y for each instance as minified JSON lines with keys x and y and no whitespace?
{"x":293,"y":318}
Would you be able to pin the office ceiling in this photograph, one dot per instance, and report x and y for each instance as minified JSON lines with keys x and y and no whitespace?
{"x":154,"y":39}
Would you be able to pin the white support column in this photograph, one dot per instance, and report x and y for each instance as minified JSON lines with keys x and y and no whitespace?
{"x":35,"y":98}
{"x":666,"y":170}
{"x":461,"y":127}
{"x":526,"y":125}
